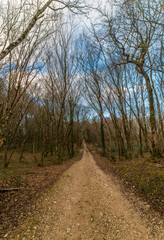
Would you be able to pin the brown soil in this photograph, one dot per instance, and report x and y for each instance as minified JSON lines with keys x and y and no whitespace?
{"x":16,"y":205}
{"x":141,"y":176}
{"x":87,"y":204}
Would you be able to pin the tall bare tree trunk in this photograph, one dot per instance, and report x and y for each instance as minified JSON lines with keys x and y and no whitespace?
{"x":102,"y":136}
{"x":154,"y":142}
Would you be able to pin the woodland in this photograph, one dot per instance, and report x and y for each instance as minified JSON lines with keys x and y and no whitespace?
{"x":61,"y":83}
{"x":74,"y":71}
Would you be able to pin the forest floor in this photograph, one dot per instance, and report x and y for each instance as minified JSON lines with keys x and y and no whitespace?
{"x":141,"y":175}
{"x":32,"y":181}
{"x":87,"y":204}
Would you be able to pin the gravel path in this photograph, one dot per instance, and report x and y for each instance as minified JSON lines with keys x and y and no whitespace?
{"x":85,"y":204}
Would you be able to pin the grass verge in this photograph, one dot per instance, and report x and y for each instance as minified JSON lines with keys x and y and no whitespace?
{"x":146,"y":178}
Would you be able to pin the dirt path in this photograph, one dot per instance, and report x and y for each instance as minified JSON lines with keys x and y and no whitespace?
{"x":85,"y":204}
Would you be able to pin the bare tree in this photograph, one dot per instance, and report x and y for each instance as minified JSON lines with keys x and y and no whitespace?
{"x":17,"y":18}
{"x":132,"y":34}
{"x":61,"y":86}
{"x":89,"y":60}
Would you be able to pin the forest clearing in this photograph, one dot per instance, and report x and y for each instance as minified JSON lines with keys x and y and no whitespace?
{"x":81,"y":119}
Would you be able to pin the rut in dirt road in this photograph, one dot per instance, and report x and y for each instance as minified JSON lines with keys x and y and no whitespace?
{"x":85,"y":204}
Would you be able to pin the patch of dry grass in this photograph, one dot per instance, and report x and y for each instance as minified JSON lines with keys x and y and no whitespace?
{"x":31,"y":181}
{"x":143,"y":175}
